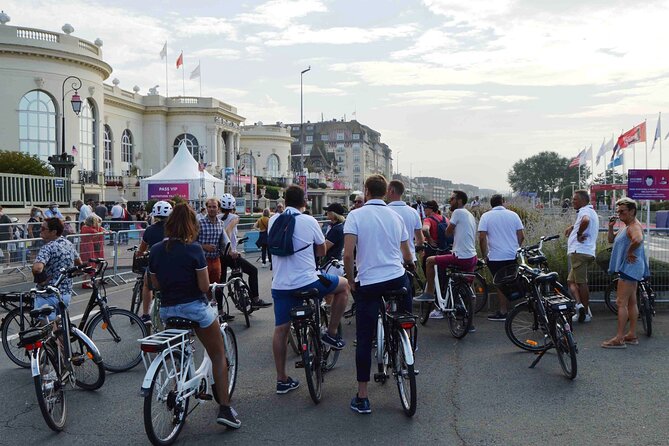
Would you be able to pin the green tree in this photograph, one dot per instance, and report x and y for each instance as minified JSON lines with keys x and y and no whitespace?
{"x":543,"y":173}
{"x":24,"y":164}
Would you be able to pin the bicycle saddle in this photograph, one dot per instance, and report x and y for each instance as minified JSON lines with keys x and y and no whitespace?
{"x":181,"y":323}
{"x":44,"y":310}
{"x":546,"y":278}
{"x":536,"y":260}
{"x":310,"y":293}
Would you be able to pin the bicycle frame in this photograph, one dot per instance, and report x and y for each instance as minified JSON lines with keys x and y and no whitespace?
{"x":447,"y":304}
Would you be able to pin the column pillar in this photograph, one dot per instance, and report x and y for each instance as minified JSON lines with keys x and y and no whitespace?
{"x":230,"y":149}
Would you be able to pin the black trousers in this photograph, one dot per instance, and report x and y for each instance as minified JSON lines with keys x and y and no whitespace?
{"x":247,"y":268}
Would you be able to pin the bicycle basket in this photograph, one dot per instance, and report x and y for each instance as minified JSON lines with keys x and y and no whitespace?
{"x":510,"y":282}
{"x":140,"y":262}
{"x":301,"y":312}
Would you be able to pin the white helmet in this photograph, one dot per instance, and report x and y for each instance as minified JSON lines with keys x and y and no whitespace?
{"x":228,"y":202}
{"x":162,"y":209}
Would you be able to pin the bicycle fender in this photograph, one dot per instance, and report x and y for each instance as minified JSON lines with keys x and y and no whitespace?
{"x":406,"y":345}
{"x":97,"y":358}
{"x":34,"y":362}
{"x":151,"y":371}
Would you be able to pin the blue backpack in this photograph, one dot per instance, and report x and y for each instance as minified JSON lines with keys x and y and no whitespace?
{"x":280,"y":236}
{"x":443,"y":242}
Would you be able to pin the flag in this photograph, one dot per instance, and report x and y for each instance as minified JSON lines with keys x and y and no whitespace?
{"x":163,"y":52}
{"x":180,"y":60}
{"x":633,"y":136}
{"x":577,"y":161}
{"x":202,"y":166}
{"x":75,"y":152}
{"x":605,"y":147}
{"x":616,"y":162}
{"x":587,"y":156}
{"x":196,"y":72}
{"x":658,"y":132}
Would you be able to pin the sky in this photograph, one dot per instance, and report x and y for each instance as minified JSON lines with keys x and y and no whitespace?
{"x":458,"y":89}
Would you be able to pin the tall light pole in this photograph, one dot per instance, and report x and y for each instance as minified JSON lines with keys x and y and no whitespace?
{"x":76,"y":105}
{"x":302,"y":125}
{"x":398,"y":162}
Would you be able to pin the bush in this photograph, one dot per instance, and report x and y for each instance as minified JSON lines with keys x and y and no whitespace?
{"x":24,"y":164}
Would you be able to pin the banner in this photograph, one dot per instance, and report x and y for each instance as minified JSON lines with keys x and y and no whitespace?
{"x":167,"y":191}
{"x":637,"y":134}
{"x":648,"y":184}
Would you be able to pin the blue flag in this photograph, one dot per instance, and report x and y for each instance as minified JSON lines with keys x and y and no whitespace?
{"x":616,"y":162}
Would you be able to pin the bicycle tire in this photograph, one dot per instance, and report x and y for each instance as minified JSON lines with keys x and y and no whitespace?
{"x":405,"y":377}
{"x":136,"y":301}
{"x":522,"y":328}
{"x":382,"y":354}
{"x":460,"y":320}
{"x":164,"y":381}
{"x":154,"y":310}
{"x":645,"y":311}
{"x":424,"y":312}
{"x":610,"y":296}
{"x":565,"y":346}
{"x":232,"y":358}
{"x":480,"y":288}
{"x":88,"y":374}
{"x":330,"y":355}
{"x":243,"y":300}
{"x":123,"y":354}
{"x":292,"y":340}
{"x":311,"y":359}
{"x":11,"y":327}
{"x":50,"y":389}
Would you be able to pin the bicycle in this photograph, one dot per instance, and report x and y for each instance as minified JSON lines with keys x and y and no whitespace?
{"x":17,"y":319}
{"x":140,"y":263}
{"x":60,"y":355}
{"x":238,"y":292}
{"x":645,"y":297}
{"x":172,"y":378}
{"x":395,"y":350}
{"x":330,"y":355}
{"x":542,"y":321}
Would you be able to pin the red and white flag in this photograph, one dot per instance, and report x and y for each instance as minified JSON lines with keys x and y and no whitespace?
{"x":75,"y":152}
{"x":577,"y":161}
{"x":180,"y":60}
{"x":633,"y":136}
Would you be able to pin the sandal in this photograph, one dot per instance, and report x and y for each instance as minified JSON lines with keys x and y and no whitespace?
{"x":631,"y":340}
{"x":614,"y":343}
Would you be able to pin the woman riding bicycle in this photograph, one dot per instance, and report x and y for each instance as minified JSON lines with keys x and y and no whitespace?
{"x":178,"y":268}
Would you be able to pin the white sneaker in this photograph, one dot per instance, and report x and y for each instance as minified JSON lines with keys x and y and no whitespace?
{"x":588,"y":318}
{"x":580,"y":311}
{"x":436,"y":314}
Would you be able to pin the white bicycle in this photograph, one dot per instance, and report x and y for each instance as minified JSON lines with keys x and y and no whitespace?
{"x":171,"y":377}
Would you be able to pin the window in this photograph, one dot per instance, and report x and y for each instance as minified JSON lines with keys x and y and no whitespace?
{"x":191,"y":144}
{"x":340,"y":136}
{"x":356,"y":179}
{"x":108,"y":151}
{"x":309,"y":138}
{"x":126,"y":146}
{"x":247,"y":165}
{"x":356,"y":168}
{"x":37,"y":124}
{"x":273,"y":167}
{"x":310,"y":128}
{"x":87,"y":138}
{"x":325,"y":137}
{"x":356,"y":136}
{"x":356,"y":158}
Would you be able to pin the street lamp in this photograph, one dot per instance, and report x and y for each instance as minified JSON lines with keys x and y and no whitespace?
{"x":76,"y":105}
{"x":302,"y":127}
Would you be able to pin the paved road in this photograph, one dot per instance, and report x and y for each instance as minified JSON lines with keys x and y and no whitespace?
{"x":477,"y":391}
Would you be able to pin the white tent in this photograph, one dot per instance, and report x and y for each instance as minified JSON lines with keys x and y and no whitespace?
{"x":180,"y":177}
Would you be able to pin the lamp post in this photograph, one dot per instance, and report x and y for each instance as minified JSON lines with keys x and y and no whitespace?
{"x":302,"y":128}
{"x":76,"y":105}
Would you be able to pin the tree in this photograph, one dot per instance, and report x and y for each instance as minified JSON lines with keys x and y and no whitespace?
{"x":543,"y":173}
{"x":24,"y":164}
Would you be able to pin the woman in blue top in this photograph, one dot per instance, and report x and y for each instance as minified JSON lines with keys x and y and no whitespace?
{"x":628,"y":259}
{"x":178,"y":268}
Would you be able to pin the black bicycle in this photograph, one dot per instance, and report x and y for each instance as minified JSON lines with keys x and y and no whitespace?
{"x":17,"y":319}
{"x":140,"y":263}
{"x":330,"y":355}
{"x":238,"y":292}
{"x":645,"y":297}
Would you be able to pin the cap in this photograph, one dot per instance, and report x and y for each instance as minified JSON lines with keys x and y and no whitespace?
{"x":432,"y":205}
{"x":337,"y":208}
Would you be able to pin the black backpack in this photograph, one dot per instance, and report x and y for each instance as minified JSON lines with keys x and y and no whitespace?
{"x":443,"y":241}
{"x":280,"y":236}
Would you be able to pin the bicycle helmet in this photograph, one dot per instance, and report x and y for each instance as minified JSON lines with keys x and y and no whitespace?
{"x":228,"y":202}
{"x":162,"y":209}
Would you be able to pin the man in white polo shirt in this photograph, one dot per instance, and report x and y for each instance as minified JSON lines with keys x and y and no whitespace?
{"x":581,"y":248}
{"x":382,"y":244}
{"x":409,"y":215}
{"x":500,"y":235}
{"x":297,"y":272}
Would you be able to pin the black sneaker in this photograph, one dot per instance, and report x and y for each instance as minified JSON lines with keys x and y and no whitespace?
{"x":581,"y":313}
{"x":256,"y":304}
{"x":286,"y":386}
{"x":228,"y":417}
{"x":497,"y":316}
{"x":226,"y":317}
{"x":146,"y":319}
{"x":334,"y":343}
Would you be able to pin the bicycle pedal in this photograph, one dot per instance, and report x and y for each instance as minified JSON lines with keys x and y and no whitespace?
{"x":77,"y":360}
{"x":204,"y":396}
{"x":299,"y":364}
{"x":416,"y":372}
{"x":380,"y":377}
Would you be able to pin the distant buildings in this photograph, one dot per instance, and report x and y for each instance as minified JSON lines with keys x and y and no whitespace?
{"x":432,"y":188}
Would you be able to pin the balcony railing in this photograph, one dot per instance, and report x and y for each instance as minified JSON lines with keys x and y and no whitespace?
{"x":31,"y":190}
{"x":88,"y":177}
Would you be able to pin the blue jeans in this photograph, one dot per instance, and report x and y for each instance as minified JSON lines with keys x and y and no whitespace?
{"x":367,"y":306}
{"x":197,"y":310}
{"x":40,"y":301}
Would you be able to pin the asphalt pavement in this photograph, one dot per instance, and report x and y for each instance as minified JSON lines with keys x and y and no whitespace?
{"x":476,"y":391}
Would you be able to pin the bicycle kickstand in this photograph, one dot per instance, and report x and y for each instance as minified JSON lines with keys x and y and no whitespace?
{"x":541,"y":355}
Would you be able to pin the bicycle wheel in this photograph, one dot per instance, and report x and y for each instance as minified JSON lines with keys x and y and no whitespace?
{"x":88,"y":374}
{"x":522,"y":328}
{"x":50,"y":389}
{"x":424,"y":315}
{"x":645,"y":312}
{"x":11,"y":327}
{"x":610,"y":296}
{"x":330,"y":355}
{"x":565,"y":347}
{"x":382,"y":354}
{"x":136,"y":302}
{"x":116,"y":338}
{"x":243,"y":300}
{"x":154,"y":311}
{"x":405,"y":376}
{"x":231,"y":356}
{"x":460,"y":320}
{"x":480,"y":288}
{"x":311,"y":358}
{"x":164,"y":410}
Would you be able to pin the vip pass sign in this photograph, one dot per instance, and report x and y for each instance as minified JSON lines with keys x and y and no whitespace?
{"x":167,"y":190}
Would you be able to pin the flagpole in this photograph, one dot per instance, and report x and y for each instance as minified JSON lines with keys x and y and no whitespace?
{"x":659,"y":123}
{"x":592,"y":156}
{"x":646,"y":140}
{"x":199,"y":64}
{"x":183,"y":74}
{"x":167,"y":84}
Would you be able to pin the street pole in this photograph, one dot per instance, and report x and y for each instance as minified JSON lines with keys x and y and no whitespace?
{"x":302,"y":127}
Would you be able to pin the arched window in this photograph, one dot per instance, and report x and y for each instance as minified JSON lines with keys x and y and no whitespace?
{"x":87,"y":138}
{"x":126,"y":147}
{"x":108,"y":151}
{"x":37,"y":124}
{"x":273,"y":166}
{"x":247,"y":165}
{"x":191,"y":144}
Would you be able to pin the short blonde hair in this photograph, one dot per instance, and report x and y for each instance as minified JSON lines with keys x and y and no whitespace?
{"x":93,"y":220}
{"x":628,"y":203}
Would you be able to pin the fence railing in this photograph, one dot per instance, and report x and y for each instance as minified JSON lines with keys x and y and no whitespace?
{"x":31,"y":190}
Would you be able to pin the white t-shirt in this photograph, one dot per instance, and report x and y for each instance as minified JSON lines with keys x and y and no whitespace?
{"x":464,"y":240}
{"x":411,"y":221}
{"x":298,"y":270}
{"x":227,"y":222}
{"x":380,"y":232}
{"x":117,"y":211}
{"x":502,"y":226}
{"x":589,"y":246}
{"x":85,"y":211}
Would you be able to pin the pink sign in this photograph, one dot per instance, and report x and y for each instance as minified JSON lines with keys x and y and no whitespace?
{"x":648,"y":184}
{"x":168,"y":190}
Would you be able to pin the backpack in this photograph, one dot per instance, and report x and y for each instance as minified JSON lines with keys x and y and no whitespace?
{"x":443,"y":241}
{"x":280,"y":236}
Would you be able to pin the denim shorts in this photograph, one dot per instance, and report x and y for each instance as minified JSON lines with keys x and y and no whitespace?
{"x":284,"y":300}
{"x":40,"y":301}
{"x":197,"y":310}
